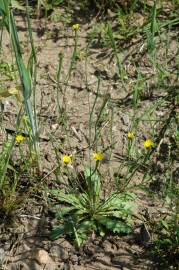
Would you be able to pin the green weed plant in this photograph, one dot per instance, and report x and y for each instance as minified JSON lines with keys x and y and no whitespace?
{"x":85,"y":211}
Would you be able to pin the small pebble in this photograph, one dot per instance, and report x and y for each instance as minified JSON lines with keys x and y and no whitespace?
{"x":42,"y":257}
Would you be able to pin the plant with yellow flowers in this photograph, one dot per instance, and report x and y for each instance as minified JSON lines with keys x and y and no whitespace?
{"x":86,"y":211}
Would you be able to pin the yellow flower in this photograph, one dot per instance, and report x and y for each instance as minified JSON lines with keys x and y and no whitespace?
{"x":130,"y":134}
{"x":148,"y":143}
{"x":19,"y":138}
{"x":75,"y":26}
{"x":98,"y":156}
{"x":66,"y":159}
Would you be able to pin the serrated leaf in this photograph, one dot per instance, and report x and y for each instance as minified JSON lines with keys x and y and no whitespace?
{"x":68,"y":198}
{"x":120,"y":202}
{"x":115,"y":225}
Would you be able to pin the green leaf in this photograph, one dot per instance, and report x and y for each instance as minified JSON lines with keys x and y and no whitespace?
{"x":66,"y":228}
{"x":68,"y":198}
{"x":57,"y":232}
{"x":117,"y":214}
{"x":82,"y":231}
{"x":115,"y":225}
{"x":79,"y":214}
{"x":84,"y":199}
{"x":121,"y":202}
{"x":62,"y":212}
{"x":86,"y":226}
{"x":93,"y":181}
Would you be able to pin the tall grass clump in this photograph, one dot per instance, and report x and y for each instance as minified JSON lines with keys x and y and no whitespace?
{"x":27,"y":74}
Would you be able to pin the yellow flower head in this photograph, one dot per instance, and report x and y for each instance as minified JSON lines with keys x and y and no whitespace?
{"x":130,"y":134}
{"x":19,"y":138}
{"x":66,"y":159}
{"x":98,"y":156}
{"x":148,"y":143}
{"x":76,"y":26}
